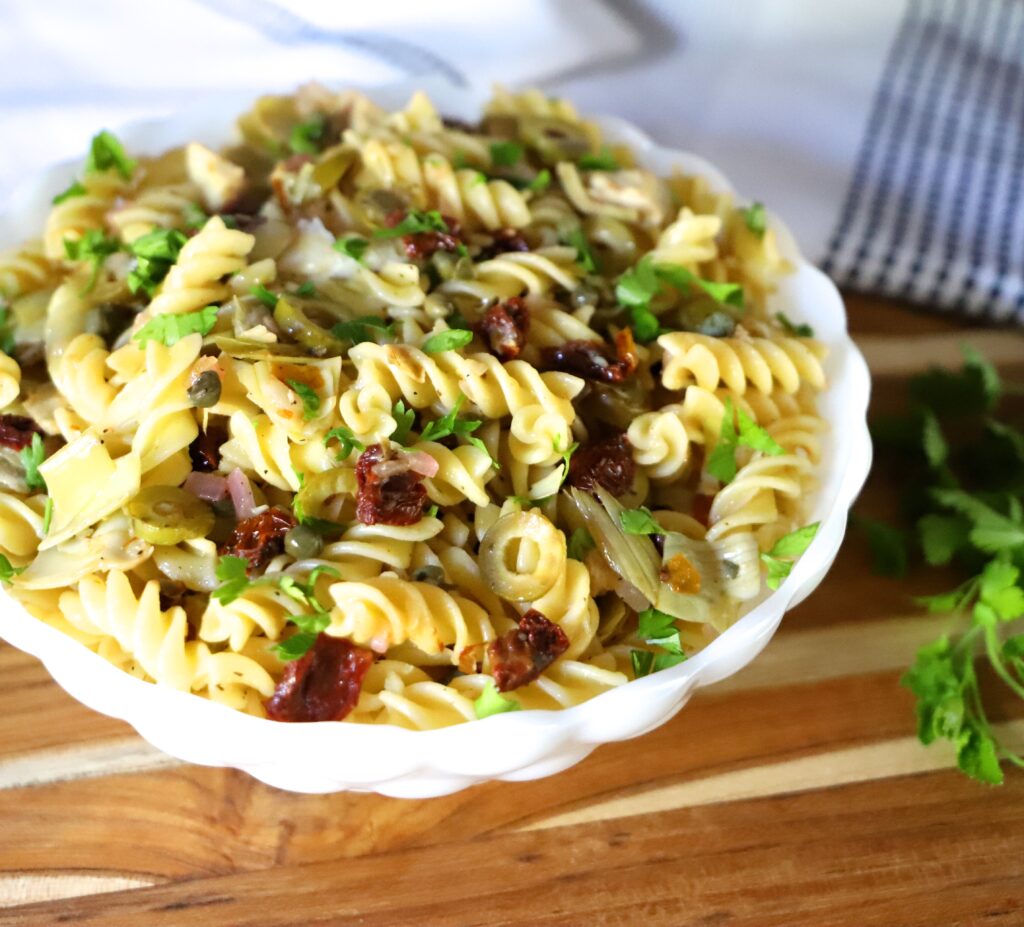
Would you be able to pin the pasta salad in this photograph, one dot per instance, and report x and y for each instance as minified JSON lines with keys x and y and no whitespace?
{"x":389,"y":418}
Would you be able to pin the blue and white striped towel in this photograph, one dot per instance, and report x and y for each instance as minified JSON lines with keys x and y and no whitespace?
{"x":888,"y":133}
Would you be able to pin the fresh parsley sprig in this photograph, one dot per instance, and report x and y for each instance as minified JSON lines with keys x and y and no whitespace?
{"x":721,"y":462}
{"x":92,"y":248}
{"x":786,"y":551}
{"x":492,"y":702}
{"x":169,"y":329}
{"x":347,"y":442}
{"x":414,"y":223}
{"x":31,"y":457}
{"x":658,"y":630}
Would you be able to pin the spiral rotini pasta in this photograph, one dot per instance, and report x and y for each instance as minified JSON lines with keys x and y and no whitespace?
{"x":445,"y":420}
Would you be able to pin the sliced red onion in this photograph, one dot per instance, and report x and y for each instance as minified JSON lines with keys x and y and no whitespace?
{"x":421,"y":462}
{"x":241,"y":494}
{"x":209,"y":486}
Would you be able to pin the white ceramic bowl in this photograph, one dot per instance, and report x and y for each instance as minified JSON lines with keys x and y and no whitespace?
{"x":516,"y":746}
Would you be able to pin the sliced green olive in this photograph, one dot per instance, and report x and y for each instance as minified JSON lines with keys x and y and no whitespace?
{"x":304,"y":330}
{"x":554,"y":140}
{"x":302,"y":542}
{"x":168,"y":515}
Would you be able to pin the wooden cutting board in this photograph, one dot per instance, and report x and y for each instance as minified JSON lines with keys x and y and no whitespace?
{"x":794,"y":793}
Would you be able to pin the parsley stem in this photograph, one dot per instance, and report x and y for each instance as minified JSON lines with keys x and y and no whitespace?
{"x":996,"y":659}
{"x":1011,"y":756}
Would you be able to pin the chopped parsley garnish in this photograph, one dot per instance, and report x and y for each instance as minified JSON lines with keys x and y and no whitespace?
{"x":506,"y":154}
{"x":169,"y":328}
{"x":658,"y":630}
{"x":415,"y":223}
{"x":77,"y":188}
{"x":580,"y":544}
{"x":605,"y":161}
{"x":584,"y":255}
{"x":265,"y":296}
{"x":540,"y":182}
{"x":755,"y":219}
{"x":359,"y":330}
{"x":309,"y":397}
{"x":492,"y":702}
{"x":106,"y":152}
{"x":47,"y":515}
{"x":784,"y":553}
{"x":450,"y":340}
{"x":306,"y":137}
{"x":639,"y":285}
{"x":801,"y":330}
{"x":195,"y":216}
{"x":155,"y":253}
{"x":639,"y":521}
{"x":31,"y":457}
{"x":354,"y":246}
{"x":306,"y":289}
{"x":7,"y":571}
{"x":451,"y":424}
{"x":93,"y":248}
{"x":6,"y":330}
{"x":404,"y":419}
{"x":721,"y":462}
{"x":566,"y":455}
{"x":347,"y":442}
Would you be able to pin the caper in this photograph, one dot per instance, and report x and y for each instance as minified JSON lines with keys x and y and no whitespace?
{"x":205,"y":390}
{"x":717,"y":324}
{"x":302,"y":542}
{"x":430,"y":573}
{"x":169,"y":515}
{"x":585,"y":295}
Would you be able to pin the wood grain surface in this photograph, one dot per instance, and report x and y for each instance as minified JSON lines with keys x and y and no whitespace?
{"x":794,"y":793}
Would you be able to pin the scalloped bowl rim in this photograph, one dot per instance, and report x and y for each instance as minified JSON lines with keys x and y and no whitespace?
{"x":514,"y":746}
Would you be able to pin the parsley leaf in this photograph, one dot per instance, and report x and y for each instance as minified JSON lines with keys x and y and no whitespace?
{"x":155,"y":253}
{"x":404,"y":419}
{"x":232,"y":573}
{"x":7,"y":343}
{"x":657,"y":629}
{"x":77,"y":188}
{"x":755,"y":219}
{"x":942,"y":537}
{"x":347,"y":442}
{"x":306,"y":289}
{"x":414,"y":223}
{"x":605,"y":161}
{"x":354,"y":246}
{"x":106,"y":152}
{"x":639,"y":521}
{"x":7,"y":571}
{"x":93,"y":247}
{"x":450,"y":340}
{"x":580,"y":544}
{"x":359,"y":330}
{"x":305,"y":137}
{"x":450,"y":424}
{"x":781,"y":558}
{"x":506,"y":154}
{"x":169,"y":329}
{"x":309,"y":397}
{"x":541,"y":182}
{"x":265,"y":296}
{"x":728,"y":294}
{"x":801,"y":330}
{"x":31,"y":457}
{"x":492,"y":702}
{"x":584,"y":256}
{"x":721,"y":462}
{"x":195,"y":216}
{"x":556,"y":445}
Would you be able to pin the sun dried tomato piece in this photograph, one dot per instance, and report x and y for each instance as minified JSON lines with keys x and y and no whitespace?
{"x":322,"y":685}
{"x":204,"y":451}
{"x":522,"y":654}
{"x":259,"y":538}
{"x":504,"y":327}
{"x":608,"y":463}
{"x":595,"y":360}
{"x":503,"y":242}
{"x":16,"y":431}
{"x":390,"y":491}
